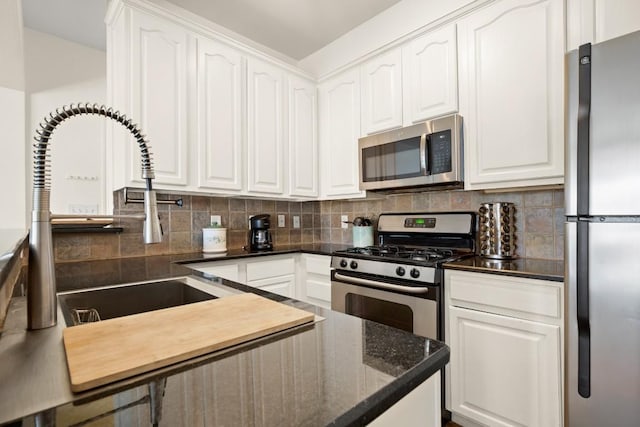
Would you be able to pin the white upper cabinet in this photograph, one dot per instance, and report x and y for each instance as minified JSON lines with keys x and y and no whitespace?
{"x":511,"y":64}
{"x":303,"y":141}
{"x":158,"y":88}
{"x":265,"y":127}
{"x":217,"y":112}
{"x":220,"y":79}
{"x":430,"y":75}
{"x":382,"y":92}
{"x":594,"y":21}
{"x":339,"y":117}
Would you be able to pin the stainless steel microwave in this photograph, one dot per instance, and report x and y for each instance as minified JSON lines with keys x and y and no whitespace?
{"x":413,"y":157}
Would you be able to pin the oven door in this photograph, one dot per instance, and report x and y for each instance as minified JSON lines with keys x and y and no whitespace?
{"x":413,"y":311}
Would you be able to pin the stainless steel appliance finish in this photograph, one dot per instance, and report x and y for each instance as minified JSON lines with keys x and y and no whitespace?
{"x":399,"y":281}
{"x":426,"y":154}
{"x":497,"y":230}
{"x":420,"y":315}
{"x":41,"y":299}
{"x":603,"y":234}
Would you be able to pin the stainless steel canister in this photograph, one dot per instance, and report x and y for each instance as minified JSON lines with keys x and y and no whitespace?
{"x":497,"y":233}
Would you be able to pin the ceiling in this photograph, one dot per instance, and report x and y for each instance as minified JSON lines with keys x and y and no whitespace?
{"x":295,"y":28}
{"x":80,"y":21}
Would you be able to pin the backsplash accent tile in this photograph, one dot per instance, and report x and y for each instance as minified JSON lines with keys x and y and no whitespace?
{"x":539,"y":221}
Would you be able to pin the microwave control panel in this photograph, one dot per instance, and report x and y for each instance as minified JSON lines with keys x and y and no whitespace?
{"x":440,"y":152}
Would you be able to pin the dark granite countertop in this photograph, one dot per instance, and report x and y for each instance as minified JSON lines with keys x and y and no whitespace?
{"x":79,"y":275}
{"x":522,"y":267}
{"x":340,"y":370}
{"x":311,"y":248}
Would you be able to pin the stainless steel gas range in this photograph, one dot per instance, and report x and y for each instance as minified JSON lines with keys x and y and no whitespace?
{"x":399,"y":282}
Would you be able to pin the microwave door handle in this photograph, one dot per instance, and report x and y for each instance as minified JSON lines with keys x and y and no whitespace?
{"x":424,"y":167}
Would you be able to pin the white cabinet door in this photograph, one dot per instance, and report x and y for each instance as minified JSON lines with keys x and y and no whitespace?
{"x":225,"y":271}
{"x":505,"y":371}
{"x":159,"y":70}
{"x":281,"y":285}
{"x":594,"y":21}
{"x":219,"y":98}
{"x":382,"y":92}
{"x":265,"y":128}
{"x":511,"y":62}
{"x":313,"y":281}
{"x":339,"y":99}
{"x":303,"y":141}
{"x":430,"y":70}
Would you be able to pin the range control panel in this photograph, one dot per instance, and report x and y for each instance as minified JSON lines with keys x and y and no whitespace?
{"x":420,"y":222}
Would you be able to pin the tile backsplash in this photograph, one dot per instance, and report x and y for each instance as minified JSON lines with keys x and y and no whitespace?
{"x":539,"y":221}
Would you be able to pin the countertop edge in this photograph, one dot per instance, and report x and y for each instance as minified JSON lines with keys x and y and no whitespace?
{"x":376,"y":404}
{"x":527,"y":273}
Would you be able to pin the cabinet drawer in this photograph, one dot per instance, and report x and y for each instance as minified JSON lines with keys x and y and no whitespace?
{"x":526,"y":298}
{"x":318,"y":264}
{"x":273,"y":268}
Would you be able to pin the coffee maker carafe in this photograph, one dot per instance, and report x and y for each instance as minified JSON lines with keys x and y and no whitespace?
{"x":259,"y":234}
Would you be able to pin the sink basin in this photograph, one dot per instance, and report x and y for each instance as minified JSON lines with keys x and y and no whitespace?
{"x":90,"y":305}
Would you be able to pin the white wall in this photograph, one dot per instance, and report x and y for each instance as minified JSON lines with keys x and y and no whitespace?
{"x":12,"y":117}
{"x":397,"y":21}
{"x":59,"y":72}
{"x":13,"y":213}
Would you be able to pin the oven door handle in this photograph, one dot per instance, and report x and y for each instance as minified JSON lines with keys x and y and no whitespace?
{"x":381,"y":285}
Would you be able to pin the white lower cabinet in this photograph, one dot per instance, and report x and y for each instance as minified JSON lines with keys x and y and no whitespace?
{"x":421,"y":407}
{"x":275,"y":275}
{"x":305,"y":277}
{"x":226,"y":270}
{"x":505,"y":336}
{"x":313,"y":281}
{"x":281,"y":285}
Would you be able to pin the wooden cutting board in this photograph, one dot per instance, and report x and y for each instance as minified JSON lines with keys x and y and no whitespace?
{"x":103,"y":352}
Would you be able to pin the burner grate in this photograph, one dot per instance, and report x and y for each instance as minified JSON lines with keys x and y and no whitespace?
{"x":402,"y":252}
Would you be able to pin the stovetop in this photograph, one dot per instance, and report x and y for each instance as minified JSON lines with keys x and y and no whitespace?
{"x":412,"y":246}
{"x":397,"y":253}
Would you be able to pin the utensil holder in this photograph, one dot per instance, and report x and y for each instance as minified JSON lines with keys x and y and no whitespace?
{"x":497,"y":231}
{"x":214,"y":240}
{"x":362,"y":235}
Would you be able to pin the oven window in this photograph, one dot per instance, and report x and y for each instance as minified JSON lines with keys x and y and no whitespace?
{"x":395,"y":160}
{"x":381,"y":311}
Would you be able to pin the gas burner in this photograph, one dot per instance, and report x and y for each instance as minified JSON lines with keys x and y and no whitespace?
{"x":431,"y":254}
{"x":427,"y":255}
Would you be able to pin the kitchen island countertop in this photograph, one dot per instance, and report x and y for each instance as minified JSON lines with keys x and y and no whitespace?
{"x":341,"y":370}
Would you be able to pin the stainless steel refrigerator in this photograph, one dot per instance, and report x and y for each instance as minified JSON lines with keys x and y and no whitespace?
{"x":602,"y":248}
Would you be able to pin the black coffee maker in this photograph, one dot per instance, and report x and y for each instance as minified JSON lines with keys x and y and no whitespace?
{"x":259,"y":235}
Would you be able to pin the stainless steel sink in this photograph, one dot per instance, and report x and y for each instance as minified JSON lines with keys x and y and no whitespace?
{"x":90,"y":305}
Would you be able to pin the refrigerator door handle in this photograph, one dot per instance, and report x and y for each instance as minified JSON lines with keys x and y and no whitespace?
{"x":584,"y":123}
{"x":582,"y":261}
{"x":584,"y":328}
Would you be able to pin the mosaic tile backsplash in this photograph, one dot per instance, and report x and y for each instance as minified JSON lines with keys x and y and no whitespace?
{"x":539,"y":222}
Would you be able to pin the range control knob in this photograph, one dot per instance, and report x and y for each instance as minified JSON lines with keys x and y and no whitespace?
{"x":343,"y":263}
{"x":415,"y":273}
{"x":354,"y":265}
{"x":400,"y":271}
